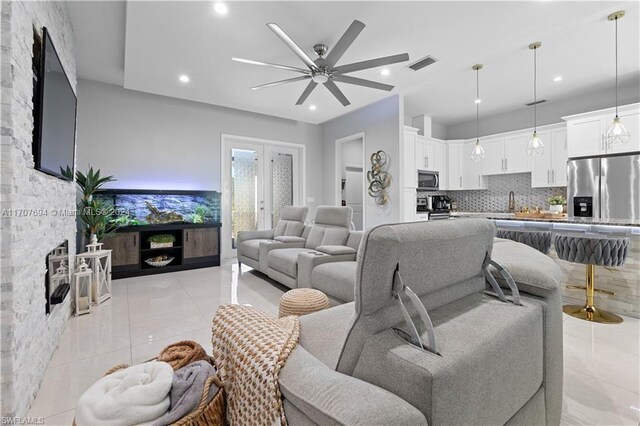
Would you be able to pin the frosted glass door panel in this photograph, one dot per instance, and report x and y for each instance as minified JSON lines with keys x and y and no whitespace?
{"x":281,"y":184}
{"x":244,"y":192}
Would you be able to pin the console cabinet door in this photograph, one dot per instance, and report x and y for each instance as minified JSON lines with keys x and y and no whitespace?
{"x":125,"y":246}
{"x":200,"y":242}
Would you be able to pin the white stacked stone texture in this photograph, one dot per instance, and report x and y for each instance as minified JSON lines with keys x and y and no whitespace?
{"x":28,"y":336}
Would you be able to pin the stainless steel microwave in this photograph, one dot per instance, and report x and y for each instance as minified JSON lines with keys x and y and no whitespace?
{"x":428,"y":180}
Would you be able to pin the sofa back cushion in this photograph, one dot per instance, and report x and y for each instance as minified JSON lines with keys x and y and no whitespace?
{"x":331,"y":227}
{"x":441,"y":261}
{"x":291,"y":223}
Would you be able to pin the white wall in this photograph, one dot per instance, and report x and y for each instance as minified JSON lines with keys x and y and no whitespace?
{"x":351,"y":155}
{"x":155,"y":142}
{"x":548,"y":113}
{"x":382,"y":124}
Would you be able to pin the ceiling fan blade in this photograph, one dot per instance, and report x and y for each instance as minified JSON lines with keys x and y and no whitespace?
{"x":292,"y":45}
{"x":362,"y":82}
{"x":329,"y":84}
{"x":268,"y":64}
{"x":343,"y":44}
{"x":278,"y":83}
{"x":372,"y":63}
{"x":307,"y":91}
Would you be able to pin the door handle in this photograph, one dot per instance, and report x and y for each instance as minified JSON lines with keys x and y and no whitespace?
{"x":460,"y":181}
{"x":427,"y":161}
{"x":478,"y":181}
{"x":553,"y":176}
{"x":506,"y":164}
{"x":424,"y":161}
{"x":135,"y":240}
{"x":187,"y":238}
{"x":548,"y":179}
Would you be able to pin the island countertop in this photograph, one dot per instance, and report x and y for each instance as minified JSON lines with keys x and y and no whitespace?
{"x":568,"y":220}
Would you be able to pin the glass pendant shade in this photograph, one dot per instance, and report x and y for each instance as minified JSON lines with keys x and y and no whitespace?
{"x":535,"y":147}
{"x":478,"y":152}
{"x":617,"y":133}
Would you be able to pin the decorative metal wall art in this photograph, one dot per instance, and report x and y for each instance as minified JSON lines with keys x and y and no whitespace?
{"x":379,"y":178}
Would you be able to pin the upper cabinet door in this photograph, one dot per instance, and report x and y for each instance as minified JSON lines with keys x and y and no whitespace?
{"x":430,"y":153}
{"x":438,"y":158}
{"x":493,"y":163}
{"x":516,"y":159}
{"x":559,"y":157}
{"x":585,"y":136}
{"x":630,"y":117}
{"x":454,"y":166}
{"x":421,"y":153}
{"x":409,"y":172}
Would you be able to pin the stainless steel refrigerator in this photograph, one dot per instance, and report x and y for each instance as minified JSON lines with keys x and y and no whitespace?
{"x":610,"y":183}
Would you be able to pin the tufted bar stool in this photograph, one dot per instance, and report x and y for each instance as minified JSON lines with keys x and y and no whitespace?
{"x":539,"y":240}
{"x":592,"y":250}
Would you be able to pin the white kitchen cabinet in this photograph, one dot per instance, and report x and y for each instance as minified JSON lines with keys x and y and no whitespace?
{"x":472,"y":170}
{"x":429,"y":154}
{"x":493,"y":163}
{"x":586,"y":132}
{"x":439,"y":162}
{"x":422,"y":216}
{"x":455,"y":151}
{"x":516,"y":159}
{"x":409,"y":171}
{"x":550,"y":169}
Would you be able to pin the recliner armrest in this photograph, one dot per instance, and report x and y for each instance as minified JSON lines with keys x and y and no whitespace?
{"x":265,"y":234}
{"x":309,"y":260}
{"x":534,"y":273}
{"x":329,"y":397}
{"x":336,"y":250}
{"x":289,"y":239}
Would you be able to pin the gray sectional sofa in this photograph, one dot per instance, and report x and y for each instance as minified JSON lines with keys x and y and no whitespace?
{"x":497,"y":362}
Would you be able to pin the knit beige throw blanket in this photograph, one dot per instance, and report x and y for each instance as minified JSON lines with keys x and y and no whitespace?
{"x":249,"y":349}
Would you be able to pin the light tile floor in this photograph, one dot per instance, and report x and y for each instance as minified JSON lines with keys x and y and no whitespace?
{"x":602,"y":363}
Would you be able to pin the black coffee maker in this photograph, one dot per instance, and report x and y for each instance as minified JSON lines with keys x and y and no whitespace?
{"x":440,"y":203}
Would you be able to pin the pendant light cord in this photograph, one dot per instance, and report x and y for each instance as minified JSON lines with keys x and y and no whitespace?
{"x":535,"y":91}
{"x":477,"y":105}
{"x":616,"y":20}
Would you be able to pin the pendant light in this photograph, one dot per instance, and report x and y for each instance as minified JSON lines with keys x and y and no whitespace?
{"x":478,"y":153}
{"x":617,"y":133}
{"x":535,"y":147}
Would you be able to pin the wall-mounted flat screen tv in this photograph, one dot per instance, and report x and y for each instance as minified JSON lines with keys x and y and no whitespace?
{"x":55,"y":126}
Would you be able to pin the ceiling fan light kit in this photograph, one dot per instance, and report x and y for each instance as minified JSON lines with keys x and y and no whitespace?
{"x":323,"y":70}
{"x":618,"y":133}
{"x":478,"y":152}
{"x":535,"y":146}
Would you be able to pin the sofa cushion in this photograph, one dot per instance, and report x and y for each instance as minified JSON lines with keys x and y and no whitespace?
{"x":335,"y":279}
{"x":334,"y":216}
{"x":250,"y":248}
{"x":321,"y":235}
{"x":288,"y":228}
{"x":285,"y":260}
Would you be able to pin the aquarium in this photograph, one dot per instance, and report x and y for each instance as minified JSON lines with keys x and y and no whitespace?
{"x":148,"y":207}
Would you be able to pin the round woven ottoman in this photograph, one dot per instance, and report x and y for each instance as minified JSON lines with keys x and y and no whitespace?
{"x":302,"y":301}
{"x":539,"y":240}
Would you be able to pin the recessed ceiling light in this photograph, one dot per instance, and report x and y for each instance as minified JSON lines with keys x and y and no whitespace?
{"x":312,"y":107}
{"x":384,"y":72}
{"x":184,"y":78}
{"x":477,"y":101}
{"x":557,"y":79}
{"x":220,"y":8}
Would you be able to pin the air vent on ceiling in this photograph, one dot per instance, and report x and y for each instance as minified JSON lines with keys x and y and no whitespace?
{"x":421,"y":63}
{"x":536,"y":103}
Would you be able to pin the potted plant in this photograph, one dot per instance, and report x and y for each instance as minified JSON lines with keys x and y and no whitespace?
{"x":557,"y":203}
{"x":161,"y":240}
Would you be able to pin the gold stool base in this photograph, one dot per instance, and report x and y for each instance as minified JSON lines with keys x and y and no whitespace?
{"x":591,"y":313}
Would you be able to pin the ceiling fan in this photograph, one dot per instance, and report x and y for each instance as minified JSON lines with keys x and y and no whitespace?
{"x":324,"y":70}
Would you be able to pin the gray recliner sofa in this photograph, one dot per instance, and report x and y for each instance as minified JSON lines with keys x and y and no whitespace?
{"x":329,"y":230}
{"x":497,"y":362}
{"x":287,"y":233}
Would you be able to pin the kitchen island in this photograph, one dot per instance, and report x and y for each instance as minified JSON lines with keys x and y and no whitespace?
{"x":623,"y":281}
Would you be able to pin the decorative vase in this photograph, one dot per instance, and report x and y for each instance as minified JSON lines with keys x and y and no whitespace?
{"x":556,"y":208}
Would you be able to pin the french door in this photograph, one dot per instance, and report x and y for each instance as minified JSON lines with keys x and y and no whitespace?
{"x":259,"y":179}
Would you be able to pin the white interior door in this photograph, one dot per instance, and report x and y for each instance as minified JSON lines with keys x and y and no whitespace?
{"x":258,"y":179}
{"x":354,"y":195}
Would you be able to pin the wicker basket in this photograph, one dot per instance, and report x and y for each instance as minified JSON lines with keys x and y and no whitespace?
{"x":302,"y":301}
{"x":159,"y":263}
{"x":211,"y":414}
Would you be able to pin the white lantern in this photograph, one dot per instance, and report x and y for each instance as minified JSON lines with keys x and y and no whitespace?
{"x":83,"y":279}
{"x":61,"y":276}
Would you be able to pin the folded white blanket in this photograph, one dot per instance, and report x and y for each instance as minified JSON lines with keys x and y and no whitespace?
{"x":132,"y":396}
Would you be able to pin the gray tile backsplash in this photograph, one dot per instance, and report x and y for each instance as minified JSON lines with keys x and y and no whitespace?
{"x":496,"y":197}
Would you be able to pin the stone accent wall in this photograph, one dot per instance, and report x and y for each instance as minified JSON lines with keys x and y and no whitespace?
{"x":33,"y":207}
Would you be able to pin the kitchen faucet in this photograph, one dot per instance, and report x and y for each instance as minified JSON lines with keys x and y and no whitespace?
{"x":512,"y":202}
